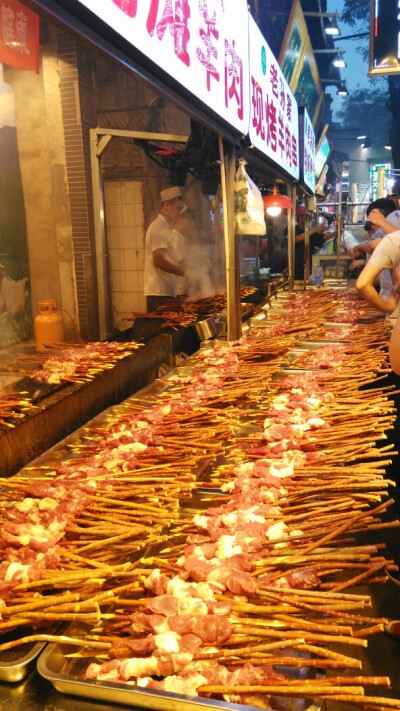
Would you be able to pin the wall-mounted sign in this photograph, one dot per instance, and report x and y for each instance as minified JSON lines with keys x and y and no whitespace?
{"x":374,"y":175}
{"x":299,"y":65}
{"x":292,"y":45}
{"x":307,"y":89}
{"x":274,"y":126}
{"x":319,"y":188}
{"x":384,"y":44}
{"x":323,"y":151}
{"x":202,"y":44}
{"x":307,"y":150}
{"x":19,"y":36}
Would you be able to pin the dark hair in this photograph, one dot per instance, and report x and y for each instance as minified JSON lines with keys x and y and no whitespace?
{"x":385,"y":205}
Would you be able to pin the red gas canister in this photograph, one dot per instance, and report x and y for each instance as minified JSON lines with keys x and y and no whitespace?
{"x":48,"y":325}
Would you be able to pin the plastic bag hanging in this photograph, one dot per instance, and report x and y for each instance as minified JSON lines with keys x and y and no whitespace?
{"x":249,"y":208}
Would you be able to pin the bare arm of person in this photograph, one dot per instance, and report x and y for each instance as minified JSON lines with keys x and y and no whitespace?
{"x":366,"y":247}
{"x":379,"y":220}
{"x":394,"y":347}
{"x":164,"y":264}
{"x":357,"y":263}
{"x":364,"y":286}
{"x":320,"y":228}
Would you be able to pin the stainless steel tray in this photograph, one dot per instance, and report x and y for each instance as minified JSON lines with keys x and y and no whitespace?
{"x":15,"y":664}
{"x":65,"y":675}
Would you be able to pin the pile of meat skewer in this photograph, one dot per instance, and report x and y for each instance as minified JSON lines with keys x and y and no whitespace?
{"x":248,"y":578}
{"x":181,"y":313}
{"x":77,"y":363}
{"x":13,"y":408}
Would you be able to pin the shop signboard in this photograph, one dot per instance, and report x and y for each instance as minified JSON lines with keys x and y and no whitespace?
{"x":202,"y":44}
{"x":293,"y":44}
{"x":323,"y":150}
{"x":307,"y":151}
{"x":384,"y":45}
{"x":19,"y":36}
{"x":307,"y":89}
{"x":274,"y":128}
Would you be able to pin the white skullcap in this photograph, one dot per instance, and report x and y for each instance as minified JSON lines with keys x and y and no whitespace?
{"x":170,"y":193}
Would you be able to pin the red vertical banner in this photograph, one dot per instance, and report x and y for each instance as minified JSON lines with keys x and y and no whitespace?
{"x":19,"y":36}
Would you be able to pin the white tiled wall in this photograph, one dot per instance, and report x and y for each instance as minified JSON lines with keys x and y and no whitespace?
{"x":125,"y":237}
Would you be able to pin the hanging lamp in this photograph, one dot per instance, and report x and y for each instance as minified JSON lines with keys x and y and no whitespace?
{"x":274,"y":202}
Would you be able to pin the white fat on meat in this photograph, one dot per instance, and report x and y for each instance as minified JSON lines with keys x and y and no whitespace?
{"x":149,"y":666}
{"x":181,"y":590}
{"x":281,"y":471}
{"x":39,"y":533}
{"x":48,"y":504}
{"x":198,"y":553}
{"x":276,"y":531}
{"x":248,"y":515}
{"x":316,"y":422}
{"x":230,"y":519}
{"x":228,"y":486}
{"x":201,"y":521}
{"x":165,"y":410}
{"x":227,"y":547}
{"x":95,"y":671}
{"x":16,"y":571}
{"x":192,"y":606}
{"x":153,"y":579}
{"x":245,"y":468}
{"x":132,"y":447}
{"x":267,"y":495}
{"x":313,"y":401}
{"x":167,"y":641}
{"x":26,"y":505}
{"x":296,"y":532}
{"x":177,"y":684}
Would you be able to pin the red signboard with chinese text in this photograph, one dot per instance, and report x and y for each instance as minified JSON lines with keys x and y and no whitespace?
{"x":202,"y":44}
{"x":274,"y":128}
{"x":19,"y":36}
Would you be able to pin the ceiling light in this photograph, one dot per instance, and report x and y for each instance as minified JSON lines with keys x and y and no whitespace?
{"x":361,"y":138}
{"x":332,"y":28}
{"x":339,"y":63}
{"x":342,"y":89}
{"x":366,"y":145}
{"x":388,"y":148}
{"x":274,"y":202}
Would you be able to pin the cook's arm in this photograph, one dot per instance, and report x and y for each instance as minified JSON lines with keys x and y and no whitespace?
{"x":164,"y":264}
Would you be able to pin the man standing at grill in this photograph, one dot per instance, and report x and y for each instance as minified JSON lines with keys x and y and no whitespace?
{"x":160,"y":268}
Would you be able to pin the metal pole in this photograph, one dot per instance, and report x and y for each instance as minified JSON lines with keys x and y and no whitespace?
{"x":234,"y":317}
{"x":338,"y":229}
{"x":381,"y":181}
{"x":103,"y":295}
{"x":291,"y":191}
{"x":306,"y":244}
{"x":257,"y":264}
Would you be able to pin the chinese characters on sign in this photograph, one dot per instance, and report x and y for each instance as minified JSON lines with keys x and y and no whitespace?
{"x":308,"y":150}
{"x":274,"y":115}
{"x":19,"y":36}
{"x":202,"y":44}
